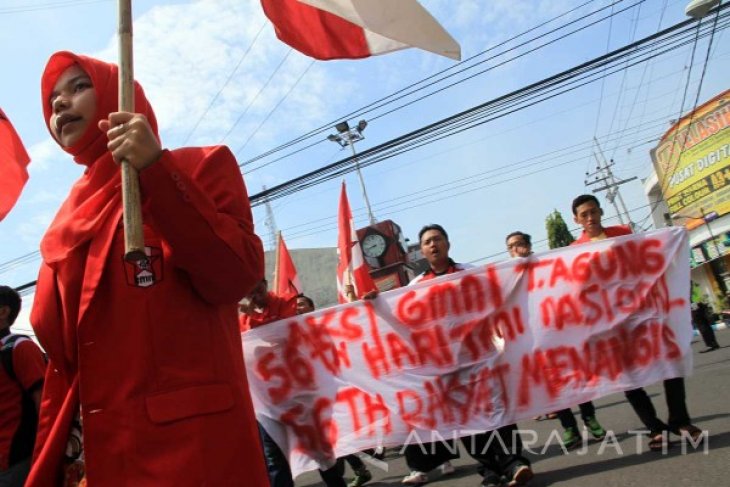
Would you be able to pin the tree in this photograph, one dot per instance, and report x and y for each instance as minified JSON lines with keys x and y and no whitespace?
{"x":557,"y":230}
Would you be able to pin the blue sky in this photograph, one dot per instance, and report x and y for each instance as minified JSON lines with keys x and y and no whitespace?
{"x":477,"y":184}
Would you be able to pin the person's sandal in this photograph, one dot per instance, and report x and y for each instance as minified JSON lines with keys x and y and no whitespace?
{"x":689,"y":430}
{"x":658,"y":441}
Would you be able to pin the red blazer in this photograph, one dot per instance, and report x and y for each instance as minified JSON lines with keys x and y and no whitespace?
{"x":614,"y":231}
{"x":159,"y":372}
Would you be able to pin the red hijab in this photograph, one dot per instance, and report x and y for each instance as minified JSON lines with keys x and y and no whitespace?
{"x":91,"y":212}
{"x":96,"y":196}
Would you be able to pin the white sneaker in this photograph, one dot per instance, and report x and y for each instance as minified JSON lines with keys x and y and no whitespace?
{"x":415,"y":478}
{"x":446,"y":468}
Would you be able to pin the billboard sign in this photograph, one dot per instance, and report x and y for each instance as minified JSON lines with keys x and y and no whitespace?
{"x":692,"y":162}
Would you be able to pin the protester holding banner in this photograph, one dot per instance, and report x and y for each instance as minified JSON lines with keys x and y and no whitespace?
{"x":145,"y":356}
{"x":259,"y":308}
{"x":519,"y":244}
{"x":262,"y":306}
{"x":335,"y":475}
{"x":587,"y":213}
{"x":495,"y":460}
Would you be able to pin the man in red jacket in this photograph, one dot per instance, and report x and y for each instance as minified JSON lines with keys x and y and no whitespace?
{"x":146,"y":383}
{"x":587,"y":213}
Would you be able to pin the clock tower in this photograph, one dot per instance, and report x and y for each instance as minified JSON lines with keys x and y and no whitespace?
{"x":386,"y":254}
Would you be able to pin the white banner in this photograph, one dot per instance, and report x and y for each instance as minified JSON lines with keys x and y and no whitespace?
{"x":475,"y":350}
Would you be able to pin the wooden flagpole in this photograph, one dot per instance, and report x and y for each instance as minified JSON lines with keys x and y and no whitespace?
{"x":350,"y":293}
{"x":277,"y":256}
{"x":131,"y":202}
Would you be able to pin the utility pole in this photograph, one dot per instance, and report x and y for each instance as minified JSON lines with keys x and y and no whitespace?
{"x":270,"y":224}
{"x":604,"y":175}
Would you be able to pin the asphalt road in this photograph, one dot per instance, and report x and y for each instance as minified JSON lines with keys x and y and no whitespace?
{"x":622,"y":461}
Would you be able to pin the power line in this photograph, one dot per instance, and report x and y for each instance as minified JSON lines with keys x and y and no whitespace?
{"x":47,"y":6}
{"x":490,"y":68}
{"x":544,"y":240}
{"x":403,"y":92}
{"x":656,"y":44}
{"x":603,"y":81}
{"x":228,"y":80}
{"x":459,"y":186}
{"x":577,"y":148}
{"x":271,"y":112}
{"x":673,"y":167}
{"x":258,"y":93}
{"x":19,"y":261}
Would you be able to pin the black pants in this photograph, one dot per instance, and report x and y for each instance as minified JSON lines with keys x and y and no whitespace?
{"x":280,"y":473}
{"x":495,"y":457}
{"x":676,"y":404}
{"x":707,"y":333}
{"x":335,"y":476}
{"x":567,"y":420}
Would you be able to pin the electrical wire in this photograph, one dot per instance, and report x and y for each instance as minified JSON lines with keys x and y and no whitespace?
{"x":47,"y":6}
{"x":228,"y":80}
{"x":460,"y":186}
{"x":657,"y":44}
{"x":673,"y":167}
{"x":258,"y":93}
{"x":410,"y":89}
{"x":278,"y":104}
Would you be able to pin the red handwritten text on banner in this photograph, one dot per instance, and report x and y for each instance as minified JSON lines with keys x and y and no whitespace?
{"x":474,"y":350}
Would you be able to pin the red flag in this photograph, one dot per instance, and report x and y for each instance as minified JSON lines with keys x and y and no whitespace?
{"x":352,"y":29}
{"x":351,"y":267}
{"x":287,"y":283}
{"x":13,"y":162}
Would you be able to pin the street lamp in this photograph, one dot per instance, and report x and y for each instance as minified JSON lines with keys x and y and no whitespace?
{"x":348,"y":136}
{"x":699,"y":8}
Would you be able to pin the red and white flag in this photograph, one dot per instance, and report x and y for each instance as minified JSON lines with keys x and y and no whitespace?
{"x":13,"y":162}
{"x":287,"y":283}
{"x":353,"y":29}
{"x":351,"y":267}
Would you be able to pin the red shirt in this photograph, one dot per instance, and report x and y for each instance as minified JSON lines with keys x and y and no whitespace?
{"x":430,"y":274}
{"x":29,"y":367}
{"x":277,"y":308}
{"x":614,"y":231}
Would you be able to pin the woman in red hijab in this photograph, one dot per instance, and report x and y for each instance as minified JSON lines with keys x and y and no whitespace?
{"x":146,"y":384}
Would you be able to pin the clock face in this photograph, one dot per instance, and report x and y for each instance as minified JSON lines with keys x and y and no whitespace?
{"x":373,"y":245}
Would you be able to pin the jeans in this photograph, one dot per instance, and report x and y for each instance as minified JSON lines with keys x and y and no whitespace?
{"x":276,"y":463}
{"x":15,"y":475}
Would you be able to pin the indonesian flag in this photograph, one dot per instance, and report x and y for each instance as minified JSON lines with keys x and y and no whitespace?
{"x":13,"y":162}
{"x":287,"y":283}
{"x":351,"y":267}
{"x":353,"y":29}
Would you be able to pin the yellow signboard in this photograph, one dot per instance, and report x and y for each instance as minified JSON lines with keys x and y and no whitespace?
{"x":692,"y":162}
